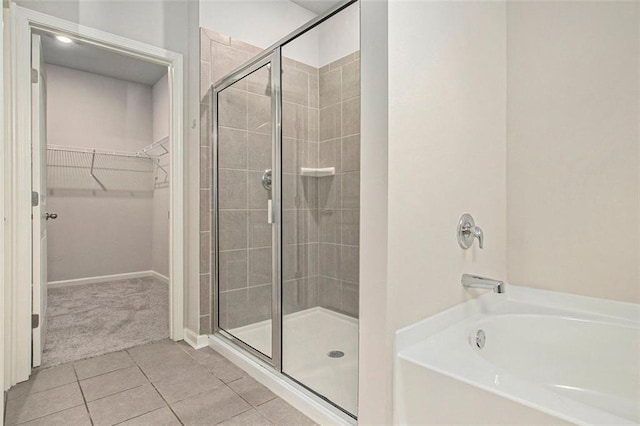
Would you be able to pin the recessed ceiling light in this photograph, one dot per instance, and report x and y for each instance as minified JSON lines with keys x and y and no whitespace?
{"x":63,"y":39}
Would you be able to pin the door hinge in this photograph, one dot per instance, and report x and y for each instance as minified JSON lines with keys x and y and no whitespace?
{"x":35,"y":199}
{"x":35,"y":321}
{"x":34,"y":75}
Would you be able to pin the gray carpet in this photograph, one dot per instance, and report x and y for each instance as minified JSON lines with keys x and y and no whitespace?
{"x":93,"y":319}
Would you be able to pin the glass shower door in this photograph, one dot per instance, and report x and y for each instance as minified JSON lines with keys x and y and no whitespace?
{"x":320,"y":208}
{"x":243,"y":140}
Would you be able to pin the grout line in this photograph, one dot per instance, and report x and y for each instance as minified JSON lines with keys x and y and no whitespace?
{"x":51,"y":414}
{"x":158,"y":392}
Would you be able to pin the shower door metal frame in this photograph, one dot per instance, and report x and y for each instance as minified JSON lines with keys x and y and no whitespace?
{"x":272,"y":54}
{"x":272,"y":60}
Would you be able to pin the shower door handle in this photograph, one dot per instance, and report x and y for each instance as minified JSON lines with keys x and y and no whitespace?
{"x":271,"y":217}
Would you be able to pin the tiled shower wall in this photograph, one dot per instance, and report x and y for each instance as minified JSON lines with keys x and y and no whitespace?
{"x":218,"y":56}
{"x":321,"y":121}
{"x":339,"y":196}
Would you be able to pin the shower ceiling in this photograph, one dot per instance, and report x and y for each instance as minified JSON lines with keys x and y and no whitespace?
{"x":316,"y":6}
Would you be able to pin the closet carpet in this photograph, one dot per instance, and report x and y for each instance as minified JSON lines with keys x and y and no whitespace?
{"x":84,"y":321}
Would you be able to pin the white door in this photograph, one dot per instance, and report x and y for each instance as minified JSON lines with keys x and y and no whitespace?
{"x":40,"y":214}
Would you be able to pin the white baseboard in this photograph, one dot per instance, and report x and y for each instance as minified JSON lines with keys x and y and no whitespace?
{"x":105,"y":278}
{"x":159,"y":276}
{"x":196,"y":341}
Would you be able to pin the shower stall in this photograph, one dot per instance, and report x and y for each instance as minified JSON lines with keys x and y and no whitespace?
{"x":286,"y":162}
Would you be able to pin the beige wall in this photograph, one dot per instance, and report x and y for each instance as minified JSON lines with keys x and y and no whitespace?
{"x":447,"y":151}
{"x":92,"y":111}
{"x":446,"y":156}
{"x":98,"y":233}
{"x":573,"y":161}
{"x":569,"y":78}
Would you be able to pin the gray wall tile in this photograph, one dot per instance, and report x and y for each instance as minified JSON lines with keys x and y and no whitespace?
{"x":232,"y":108}
{"x":330,"y":122}
{"x":295,"y":86}
{"x":232,"y":233}
{"x":233,"y":266}
{"x":349,"y":263}
{"x":330,"y":88}
{"x":329,"y":293}
{"x":329,"y":260}
{"x":205,"y":259}
{"x":351,"y":80}
{"x":351,"y":116}
{"x":351,"y":190}
{"x":350,"y":153}
{"x":259,"y":82}
{"x":259,"y":151}
{"x":259,"y":114}
{"x":260,"y":262}
{"x":330,"y":154}
{"x":205,"y":209}
{"x":295,"y":121}
{"x":330,"y":226}
{"x":350,"y":227}
{"x":224,"y":59}
{"x":260,"y":230}
{"x":205,"y":294}
{"x":350,"y":299}
{"x":232,"y":189}
{"x":232,"y":148}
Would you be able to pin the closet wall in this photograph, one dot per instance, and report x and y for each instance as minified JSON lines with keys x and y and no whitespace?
{"x":160,"y":214}
{"x":99,"y":233}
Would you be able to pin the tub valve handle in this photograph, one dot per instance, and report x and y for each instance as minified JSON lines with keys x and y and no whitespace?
{"x":467,"y":231}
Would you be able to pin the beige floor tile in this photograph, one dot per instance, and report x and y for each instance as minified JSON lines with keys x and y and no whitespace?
{"x":161,"y":417}
{"x":211,"y":407}
{"x":125,"y":405}
{"x":111,"y":383}
{"x":40,"y":404}
{"x":76,"y":416}
{"x":248,"y":418}
{"x":44,"y":379}
{"x":187,"y":383}
{"x":252,"y":391}
{"x":163,"y":362}
{"x":102,"y":364}
{"x":281,"y":413}
{"x":224,"y":369}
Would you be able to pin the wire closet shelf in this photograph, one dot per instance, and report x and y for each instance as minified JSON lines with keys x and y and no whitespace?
{"x":71,"y":168}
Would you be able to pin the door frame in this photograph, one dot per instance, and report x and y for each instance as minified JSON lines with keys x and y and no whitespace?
{"x":274,"y":60}
{"x":23,"y":23}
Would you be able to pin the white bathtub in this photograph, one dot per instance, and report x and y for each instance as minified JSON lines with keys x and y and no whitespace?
{"x":548,"y":358}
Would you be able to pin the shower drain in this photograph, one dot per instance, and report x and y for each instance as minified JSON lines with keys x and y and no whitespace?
{"x":335,"y":354}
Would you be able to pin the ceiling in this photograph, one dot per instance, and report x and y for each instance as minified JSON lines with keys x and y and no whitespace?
{"x":96,"y":60}
{"x":317,"y":6}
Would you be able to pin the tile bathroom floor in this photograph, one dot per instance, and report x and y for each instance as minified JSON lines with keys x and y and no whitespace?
{"x":163,"y":383}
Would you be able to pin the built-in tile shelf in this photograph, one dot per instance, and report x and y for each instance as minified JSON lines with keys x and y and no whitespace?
{"x":318,"y":172}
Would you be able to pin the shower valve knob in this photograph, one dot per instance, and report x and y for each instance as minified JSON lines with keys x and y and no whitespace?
{"x":467,"y":231}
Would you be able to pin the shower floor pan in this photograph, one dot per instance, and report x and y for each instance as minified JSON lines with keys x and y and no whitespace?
{"x":319,"y":350}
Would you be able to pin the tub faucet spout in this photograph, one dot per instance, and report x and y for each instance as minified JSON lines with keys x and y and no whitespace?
{"x":474,"y":281}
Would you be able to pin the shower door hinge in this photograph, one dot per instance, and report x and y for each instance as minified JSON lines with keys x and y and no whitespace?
{"x":35,"y":199}
{"x":35,"y":320}
{"x":34,"y":75}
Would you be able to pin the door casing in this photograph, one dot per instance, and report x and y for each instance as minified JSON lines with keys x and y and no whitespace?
{"x":22,"y":24}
